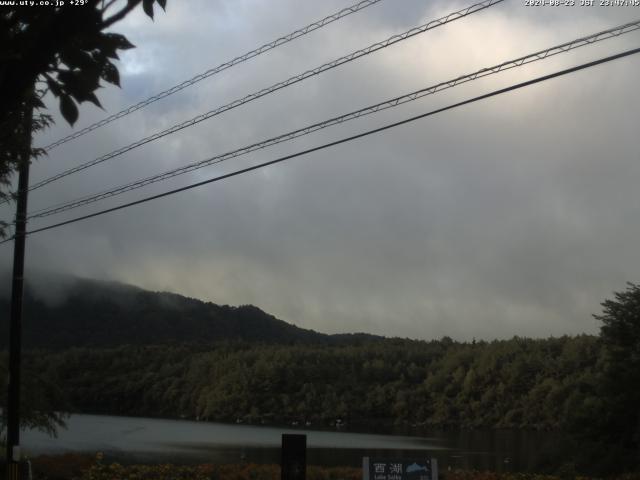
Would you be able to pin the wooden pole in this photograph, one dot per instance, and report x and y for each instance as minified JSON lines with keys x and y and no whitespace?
{"x":15,"y":326}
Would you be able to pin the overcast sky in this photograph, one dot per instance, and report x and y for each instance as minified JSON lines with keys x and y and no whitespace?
{"x":517,"y":215}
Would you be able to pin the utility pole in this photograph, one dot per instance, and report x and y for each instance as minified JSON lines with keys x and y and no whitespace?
{"x":15,"y":326}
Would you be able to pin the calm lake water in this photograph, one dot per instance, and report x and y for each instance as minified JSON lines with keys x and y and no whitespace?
{"x":157,"y":440}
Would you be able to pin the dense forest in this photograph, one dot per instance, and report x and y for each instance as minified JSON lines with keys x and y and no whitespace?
{"x":517,"y":383}
{"x":243,"y":365}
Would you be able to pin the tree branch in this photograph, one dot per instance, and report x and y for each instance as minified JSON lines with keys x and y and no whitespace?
{"x":107,"y":6}
{"x":120,"y":15}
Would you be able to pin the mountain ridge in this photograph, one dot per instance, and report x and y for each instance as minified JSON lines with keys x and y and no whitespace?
{"x":71,"y":311}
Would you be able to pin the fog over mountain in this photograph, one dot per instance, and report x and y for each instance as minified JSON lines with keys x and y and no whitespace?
{"x":90,"y":313}
{"x":513,"y":216}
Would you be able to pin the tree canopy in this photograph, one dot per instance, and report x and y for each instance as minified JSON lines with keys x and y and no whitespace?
{"x":620,"y":386}
{"x":64,"y":50}
{"x":194,"y":360}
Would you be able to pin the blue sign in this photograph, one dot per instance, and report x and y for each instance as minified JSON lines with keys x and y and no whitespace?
{"x":399,"y":469}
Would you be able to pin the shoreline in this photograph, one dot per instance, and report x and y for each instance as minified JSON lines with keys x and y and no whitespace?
{"x":98,"y":467}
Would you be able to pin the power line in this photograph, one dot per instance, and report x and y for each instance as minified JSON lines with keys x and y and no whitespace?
{"x":213,"y":71}
{"x":394,"y":102}
{"x":343,"y":140}
{"x":277,"y":86}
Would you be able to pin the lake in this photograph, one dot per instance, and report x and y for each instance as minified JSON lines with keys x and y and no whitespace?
{"x":129,"y":439}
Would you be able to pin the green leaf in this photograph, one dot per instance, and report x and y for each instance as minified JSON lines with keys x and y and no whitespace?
{"x":80,"y":83}
{"x":147,"y":6}
{"x":163,"y":4}
{"x":115,"y":40}
{"x":54,"y":87}
{"x":76,"y":58}
{"x":110,"y":74}
{"x":91,"y":97}
{"x":39,"y":104}
{"x":68,"y":109}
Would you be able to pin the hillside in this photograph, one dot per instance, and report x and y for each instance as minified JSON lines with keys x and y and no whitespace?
{"x":517,"y":383}
{"x":69,"y":312}
{"x":166,"y":355}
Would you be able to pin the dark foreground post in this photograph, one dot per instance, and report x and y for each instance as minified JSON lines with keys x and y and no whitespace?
{"x":15,"y":326}
{"x":294,"y":457}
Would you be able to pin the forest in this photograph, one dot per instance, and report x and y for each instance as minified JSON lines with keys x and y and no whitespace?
{"x":518,"y":383}
{"x":584,"y":386}
{"x":68,"y":311}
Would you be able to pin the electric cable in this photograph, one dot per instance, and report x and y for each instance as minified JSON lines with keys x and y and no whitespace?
{"x":387,"y":104}
{"x":277,"y":86}
{"x":213,"y":71}
{"x":341,"y":141}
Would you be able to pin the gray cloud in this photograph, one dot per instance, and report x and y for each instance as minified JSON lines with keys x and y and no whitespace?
{"x":515,"y":216}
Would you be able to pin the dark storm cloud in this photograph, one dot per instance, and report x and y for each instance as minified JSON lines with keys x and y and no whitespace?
{"x":512,"y":216}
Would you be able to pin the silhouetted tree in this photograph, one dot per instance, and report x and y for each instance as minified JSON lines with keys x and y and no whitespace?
{"x":64,"y":50}
{"x":620,"y":386}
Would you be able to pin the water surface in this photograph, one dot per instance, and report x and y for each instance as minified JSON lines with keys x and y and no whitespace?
{"x":160,"y":440}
